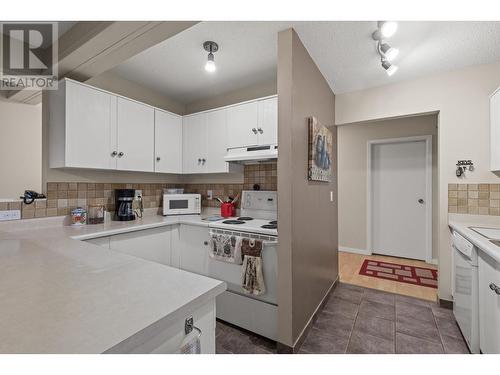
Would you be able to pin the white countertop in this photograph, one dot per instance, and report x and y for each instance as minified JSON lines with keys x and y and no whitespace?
{"x":461,"y":224}
{"x":62,"y":295}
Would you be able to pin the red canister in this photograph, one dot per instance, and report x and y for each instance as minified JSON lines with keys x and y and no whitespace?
{"x":226,"y":209}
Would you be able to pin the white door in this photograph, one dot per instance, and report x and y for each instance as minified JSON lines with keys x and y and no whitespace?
{"x":168,"y":142}
{"x":136,"y":132}
{"x":216,"y":142}
{"x":242,"y":124}
{"x":268,"y":121}
{"x":90,"y":130}
{"x":194,"y":143}
{"x":400,"y":199}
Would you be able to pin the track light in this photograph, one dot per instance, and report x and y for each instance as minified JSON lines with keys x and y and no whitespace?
{"x":210,"y":47}
{"x":389,"y":68}
{"x":387,"y":28}
{"x":389,"y":52}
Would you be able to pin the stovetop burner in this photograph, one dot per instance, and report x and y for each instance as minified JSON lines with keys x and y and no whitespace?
{"x":269,"y":226}
{"x":274,"y":222}
{"x":245,"y":218}
{"x":233,"y":222}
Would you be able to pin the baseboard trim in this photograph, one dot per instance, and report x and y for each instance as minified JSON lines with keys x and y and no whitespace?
{"x":285,"y":349}
{"x":447,"y":304}
{"x":354,"y":250}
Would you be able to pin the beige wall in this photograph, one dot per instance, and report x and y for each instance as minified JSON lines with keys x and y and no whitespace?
{"x":20,"y":148}
{"x":307,"y":252}
{"x":352,"y":173}
{"x":118,"y":85}
{"x":247,"y":93}
{"x":461,"y":97}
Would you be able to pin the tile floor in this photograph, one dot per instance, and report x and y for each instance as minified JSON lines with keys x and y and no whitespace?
{"x":350,"y":264}
{"x":361,"y":320}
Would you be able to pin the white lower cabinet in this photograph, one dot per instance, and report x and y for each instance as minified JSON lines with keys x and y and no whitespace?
{"x":193,"y":249}
{"x":489,"y":304}
{"x":150,"y":244}
{"x":170,"y":339}
{"x":100,"y":241}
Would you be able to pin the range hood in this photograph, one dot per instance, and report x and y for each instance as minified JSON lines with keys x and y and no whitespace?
{"x":252,"y":154}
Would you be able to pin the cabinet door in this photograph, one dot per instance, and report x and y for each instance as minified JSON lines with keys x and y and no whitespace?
{"x":495,"y":132}
{"x":194,"y":143}
{"x":90,"y":127}
{"x":216,"y":142}
{"x":101,"y":241}
{"x":489,"y":305}
{"x":242,"y":124}
{"x":193,"y":249}
{"x":168,"y":142}
{"x":136,"y":131}
{"x":268,"y":121}
{"x":151,"y":244}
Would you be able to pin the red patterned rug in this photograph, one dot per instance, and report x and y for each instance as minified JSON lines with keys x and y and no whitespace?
{"x":400,"y":272}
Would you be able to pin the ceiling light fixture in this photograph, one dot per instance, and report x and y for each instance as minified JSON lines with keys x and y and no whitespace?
{"x":210,"y":47}
{"x":389,"y":68}
{"x":386,"y":29}
{"x":389,"y":52}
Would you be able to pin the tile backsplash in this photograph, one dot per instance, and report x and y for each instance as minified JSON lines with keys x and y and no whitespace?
{"x":474,"y":199}
{"x":62,"y":197}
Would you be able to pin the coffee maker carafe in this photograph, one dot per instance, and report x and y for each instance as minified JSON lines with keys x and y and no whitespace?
{"x":124,"y":198}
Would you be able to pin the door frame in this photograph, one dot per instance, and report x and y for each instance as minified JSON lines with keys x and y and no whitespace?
{"x":428,"y":189}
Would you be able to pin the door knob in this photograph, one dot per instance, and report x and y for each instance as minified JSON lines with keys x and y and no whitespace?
{"x":421,"y":201}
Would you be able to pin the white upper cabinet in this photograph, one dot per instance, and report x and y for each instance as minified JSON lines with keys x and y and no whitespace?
{"x":253,"y":124}
{"x":168,"y":142}
{"x":268,"y":121}
{"x":495,"y":131}
{"x":136,"y":131}
{"x":242,"y":122}
{"x":216,"y":123}
{"x":82,"y":128}
{"x":194,"y":143}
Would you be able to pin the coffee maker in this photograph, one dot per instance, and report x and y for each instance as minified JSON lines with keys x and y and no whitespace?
{"x":124,"y":198}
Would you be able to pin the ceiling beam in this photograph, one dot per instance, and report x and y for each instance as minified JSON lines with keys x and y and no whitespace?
{"x":91,"y":48}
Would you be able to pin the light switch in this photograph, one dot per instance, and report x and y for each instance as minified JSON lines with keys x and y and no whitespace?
{"x":210,"y":194}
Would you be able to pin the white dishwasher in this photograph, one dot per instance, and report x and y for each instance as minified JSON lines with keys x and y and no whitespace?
{"x":466,"y":290}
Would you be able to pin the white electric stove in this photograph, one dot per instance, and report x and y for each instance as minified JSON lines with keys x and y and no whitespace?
{"x":259,"y":211}
{"x":256,"y":313}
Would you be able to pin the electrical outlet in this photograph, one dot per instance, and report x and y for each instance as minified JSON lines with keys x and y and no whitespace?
{"x":210,"y":194}
{"x":10,"y":215}
{"x":138,"y":193}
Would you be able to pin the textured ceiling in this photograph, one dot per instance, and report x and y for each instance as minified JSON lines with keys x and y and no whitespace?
{"x":344,"y":52}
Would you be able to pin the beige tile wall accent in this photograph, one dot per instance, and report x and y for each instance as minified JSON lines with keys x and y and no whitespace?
{"x":62,"y":197}
{"x":474,"y":199}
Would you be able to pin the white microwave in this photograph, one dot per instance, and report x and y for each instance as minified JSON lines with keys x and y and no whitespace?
{"x":181,"y":204}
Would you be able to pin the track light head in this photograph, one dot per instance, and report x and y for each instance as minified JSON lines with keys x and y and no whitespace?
{"x":389,"y":68}
{"x":389,"y":52}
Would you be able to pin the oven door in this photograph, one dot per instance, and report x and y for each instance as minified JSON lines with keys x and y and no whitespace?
{"x":463,"y":293}
{"x":231,"y":273}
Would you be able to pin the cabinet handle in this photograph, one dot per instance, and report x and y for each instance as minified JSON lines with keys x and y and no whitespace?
{"x":203,"y":161}
{"x":199,"y":160}
{"x":495,"y":288}
{"x":114,"y":153}
{"x":157,"y":158}
{"x":254,"y":131}
{"x":120,"y":154}
{"x":260,"y":130}
{"x":205,"y":243}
